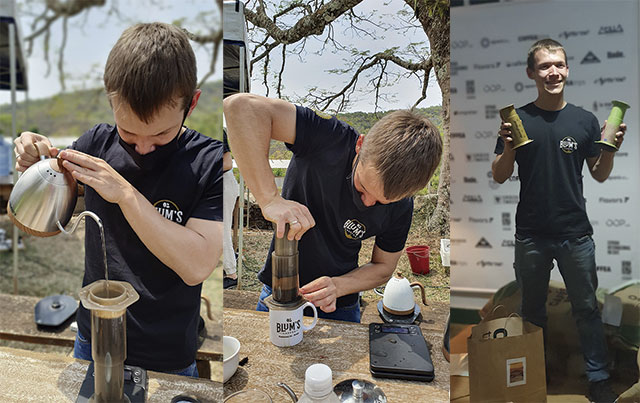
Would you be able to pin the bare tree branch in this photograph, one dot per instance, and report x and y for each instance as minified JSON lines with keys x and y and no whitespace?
{"x":65,"y":21}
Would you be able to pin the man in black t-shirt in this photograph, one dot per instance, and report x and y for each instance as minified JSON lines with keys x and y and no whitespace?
{"x":340,"y":189}
{"x":157,"y":186}
{"x":551,"y":218}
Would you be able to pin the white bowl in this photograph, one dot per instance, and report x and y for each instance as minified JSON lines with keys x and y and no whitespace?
{"x":230,"y":354}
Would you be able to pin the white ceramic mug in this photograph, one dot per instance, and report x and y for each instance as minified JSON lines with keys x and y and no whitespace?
{"x":287,"y":326}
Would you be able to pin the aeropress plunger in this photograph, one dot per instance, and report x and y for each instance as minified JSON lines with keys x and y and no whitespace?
{"x":108,"y":304}
{"x":284,"y":271}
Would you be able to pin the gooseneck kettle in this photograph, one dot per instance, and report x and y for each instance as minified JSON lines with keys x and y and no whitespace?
{"x":43,"y":198}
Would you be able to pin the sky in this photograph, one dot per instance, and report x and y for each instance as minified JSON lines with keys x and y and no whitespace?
{"x":93,"y":33}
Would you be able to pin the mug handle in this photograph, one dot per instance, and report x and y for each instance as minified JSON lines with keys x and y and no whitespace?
{"x":315,"y":317}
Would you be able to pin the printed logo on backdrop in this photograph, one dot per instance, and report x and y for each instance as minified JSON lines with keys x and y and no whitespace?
{"x":573,"y":34}
{"x":456,"y":219}
{"x":470,"y":179}
{"x":486,"y":66}
{"x":621,"y":154}
{"x":507,"y":199}
{"x":453,"y":90}
{"x":470,"y":86}
{"x":486,"y":42}
{"x":483,"y":243}
{"x":455,"y":68}
{"x":568,"y":145}
{"x":472,"y":199}
{"x":458,"y":263}
{"x":478,"y":157}
{"x":604,"y":269}
{"x":463,"y":44}
{"x":481,"y":220}
{"x":169,"y":210}
{"x":491,"y":88}
{"x":613,"y":200}
{"x":458,"y":135}
{"x":354,"y":229}
{"x":486,"y":134}
{"x":590,"y":58}
{"x":508,"y":243}
{"x":606,"y":105}
{"x":465,"y":113}
{"x":615,"y":247}
{"x":519,"y":63}
{"x":626,"y":269}
{"x":618,"y":54}
{"x":610,"y":29}
{"x":617,"y":222}
{"x":609,"y":80}
{"x":576,"y":83}
{"x":506,"y":221}
{"x":487,"y":263}
{"x":530,"y":38}
{"x":491,"y":112}
{"x":457,"y":241}
{"x":617,"y":178}
{"x":520,"y":86}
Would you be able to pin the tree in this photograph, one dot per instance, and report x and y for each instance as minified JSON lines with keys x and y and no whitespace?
{"x":46,"y":15}
{"x":286,"y":27}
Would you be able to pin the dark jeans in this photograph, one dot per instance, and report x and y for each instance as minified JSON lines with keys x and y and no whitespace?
{"x":349,"y":313}
{"x":576,"y":262}
{"x":82,"y":350}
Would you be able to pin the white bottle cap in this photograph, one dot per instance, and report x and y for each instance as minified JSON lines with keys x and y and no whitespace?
{"x":318,"y":380}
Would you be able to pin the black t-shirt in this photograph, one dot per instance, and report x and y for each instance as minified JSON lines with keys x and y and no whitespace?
{"x":319,"y":177}
{"x":550,"y":170}
{"x":162,"y":324}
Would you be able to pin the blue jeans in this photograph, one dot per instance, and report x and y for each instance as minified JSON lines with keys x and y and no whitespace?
{"x":349,"y":313}
{"x":82,"y":350}
{"x":576,"y":262}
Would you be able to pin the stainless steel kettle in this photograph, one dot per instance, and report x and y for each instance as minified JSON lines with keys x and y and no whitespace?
{"x":43,"y":198}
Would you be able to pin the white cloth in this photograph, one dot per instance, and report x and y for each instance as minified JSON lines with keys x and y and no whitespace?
{"x":231,"y":193}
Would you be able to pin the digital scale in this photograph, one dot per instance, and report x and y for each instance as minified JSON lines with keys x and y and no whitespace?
{"x":399,"y":352}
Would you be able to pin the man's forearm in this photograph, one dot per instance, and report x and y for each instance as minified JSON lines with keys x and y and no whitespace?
{"x":363,"y":278}
{"x":187,"y":252}
{"x":603,"y":166}
{"x":502,"y":166}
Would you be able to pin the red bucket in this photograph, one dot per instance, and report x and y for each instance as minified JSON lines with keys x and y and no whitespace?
{"x":419,"y":258}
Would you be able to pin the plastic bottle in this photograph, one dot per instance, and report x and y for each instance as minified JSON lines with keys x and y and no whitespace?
{"x":318,"y":385}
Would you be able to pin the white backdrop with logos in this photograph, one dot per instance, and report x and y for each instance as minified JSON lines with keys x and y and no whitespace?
{"x":489,"y":44}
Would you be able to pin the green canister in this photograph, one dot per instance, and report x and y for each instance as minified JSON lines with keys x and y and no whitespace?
{"x":519,"y":136}
{"x":608,"y":140}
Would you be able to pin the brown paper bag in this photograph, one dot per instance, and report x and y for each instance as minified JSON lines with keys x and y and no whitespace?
{"x":507,"y":369}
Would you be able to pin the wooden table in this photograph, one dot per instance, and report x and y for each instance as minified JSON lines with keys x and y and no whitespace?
{"x":343,"y":346}
{"x":17,"y":322}
{"x":42,"y":377}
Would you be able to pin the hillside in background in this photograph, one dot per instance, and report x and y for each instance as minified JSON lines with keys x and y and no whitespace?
{"x":72,"y":113}
{"x":362,"y":122}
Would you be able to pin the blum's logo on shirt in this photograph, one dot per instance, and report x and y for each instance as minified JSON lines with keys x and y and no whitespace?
{"x":354,"y":229}
{"x":169,"y":210}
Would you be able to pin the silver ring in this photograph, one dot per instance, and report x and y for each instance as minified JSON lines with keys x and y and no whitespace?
{"x":293,"y":222}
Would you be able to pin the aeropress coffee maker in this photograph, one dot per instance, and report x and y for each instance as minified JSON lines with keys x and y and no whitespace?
{"x":286,"y":305}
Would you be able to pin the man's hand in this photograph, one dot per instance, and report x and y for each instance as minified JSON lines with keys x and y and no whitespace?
{"x":505,"y":133}
{"x":96,"y":173}
{"x":28,"y":149}
{"x":281,"y":212}
{"x":321,"y":292}
{"x":619,"y":134}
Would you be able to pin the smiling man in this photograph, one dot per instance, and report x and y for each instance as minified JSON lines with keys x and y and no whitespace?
{"x":551,"y":217}
{"x":157,"y":186}
{"x":340,"y":189}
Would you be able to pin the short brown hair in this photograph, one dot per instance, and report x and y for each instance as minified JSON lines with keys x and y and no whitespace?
{"x":548,"y":44}
{"x":405,"y":149}
{"x":151,"y":65}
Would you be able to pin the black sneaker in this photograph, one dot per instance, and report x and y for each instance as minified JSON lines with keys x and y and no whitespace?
{"x":229,"y":282}
{"x":601,"y":392}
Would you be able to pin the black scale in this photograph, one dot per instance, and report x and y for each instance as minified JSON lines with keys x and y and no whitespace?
{"x":399,"y":352}
{"x":135,"y":384}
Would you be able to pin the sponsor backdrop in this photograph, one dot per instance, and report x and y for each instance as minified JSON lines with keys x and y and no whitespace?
{"x":489,"y":44}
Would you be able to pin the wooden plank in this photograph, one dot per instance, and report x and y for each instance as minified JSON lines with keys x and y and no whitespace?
{"x":343,"y":346}
{"x":17,"y":322}
{"x":43,"y":377}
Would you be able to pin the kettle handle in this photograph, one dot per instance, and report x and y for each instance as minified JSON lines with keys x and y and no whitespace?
{"x":417,"y":284}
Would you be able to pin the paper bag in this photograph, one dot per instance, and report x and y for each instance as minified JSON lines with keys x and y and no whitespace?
{"x":509,"y":367}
